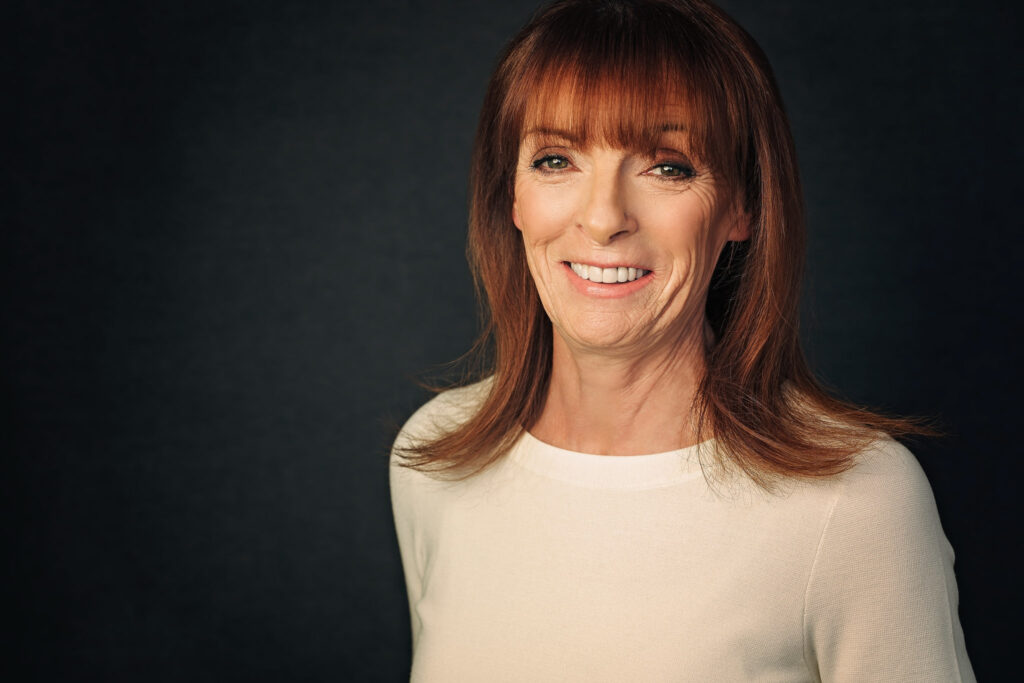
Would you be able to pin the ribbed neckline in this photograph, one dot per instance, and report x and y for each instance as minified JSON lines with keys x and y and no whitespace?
{"x":608,"y":471}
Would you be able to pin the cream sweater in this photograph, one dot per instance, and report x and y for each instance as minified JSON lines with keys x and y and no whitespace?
{"x":561,"y":566}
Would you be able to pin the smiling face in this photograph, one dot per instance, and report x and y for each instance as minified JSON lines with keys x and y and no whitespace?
{"x":621,"y":243}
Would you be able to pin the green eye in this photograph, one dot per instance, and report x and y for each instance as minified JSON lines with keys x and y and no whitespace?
{"x":672,"y":171}
{"x":552,"y":162}
{"x":667,"y":170}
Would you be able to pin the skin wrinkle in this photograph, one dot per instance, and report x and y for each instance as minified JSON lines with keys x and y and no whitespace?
{"x":604,"y":205}
{"x":619,"y":89}
{"x":613,"y":369}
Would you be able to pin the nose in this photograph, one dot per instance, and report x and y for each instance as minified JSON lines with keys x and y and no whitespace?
{"x":603,"y":214}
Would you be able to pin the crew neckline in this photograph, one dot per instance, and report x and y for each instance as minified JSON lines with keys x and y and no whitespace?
{"x":590,"y":470}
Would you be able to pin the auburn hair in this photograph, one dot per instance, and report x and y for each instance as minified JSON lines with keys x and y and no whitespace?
{"x":616,"y":65}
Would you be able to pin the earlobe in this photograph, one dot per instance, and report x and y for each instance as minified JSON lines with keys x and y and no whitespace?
{"x":740,"y":228}
{"x":515,"y":216}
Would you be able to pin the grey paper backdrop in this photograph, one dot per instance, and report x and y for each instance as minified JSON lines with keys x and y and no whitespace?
{"x":235,"y":234}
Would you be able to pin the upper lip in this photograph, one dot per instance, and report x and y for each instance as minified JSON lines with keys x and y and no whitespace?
{"x":607,"y":265}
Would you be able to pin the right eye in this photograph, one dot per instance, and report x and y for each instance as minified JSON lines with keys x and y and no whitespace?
{"x":551,"y":162}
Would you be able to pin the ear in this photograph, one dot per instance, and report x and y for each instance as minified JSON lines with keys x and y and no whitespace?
{"x":515,"y":215}
{"x":740,"y":229}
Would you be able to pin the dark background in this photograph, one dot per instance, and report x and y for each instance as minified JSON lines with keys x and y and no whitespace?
{"x":235,"y":234}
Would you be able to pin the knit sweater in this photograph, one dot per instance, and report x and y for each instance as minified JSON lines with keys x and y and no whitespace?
{"x":560,"y":566}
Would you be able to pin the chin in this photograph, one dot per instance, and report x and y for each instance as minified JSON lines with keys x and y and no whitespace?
{"x":598,"y":337}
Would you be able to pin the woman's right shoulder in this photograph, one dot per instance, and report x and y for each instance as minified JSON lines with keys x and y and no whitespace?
{"x":414,"y":492}
{"x":442,"y":414}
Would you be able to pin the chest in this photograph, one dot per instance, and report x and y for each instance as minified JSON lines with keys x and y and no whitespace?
{"x":546,"y":582}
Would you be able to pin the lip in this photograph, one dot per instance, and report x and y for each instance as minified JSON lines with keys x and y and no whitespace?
{"x":600,"y":290}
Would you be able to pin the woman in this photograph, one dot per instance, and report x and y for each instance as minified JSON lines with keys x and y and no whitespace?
{"x":649,"y":484}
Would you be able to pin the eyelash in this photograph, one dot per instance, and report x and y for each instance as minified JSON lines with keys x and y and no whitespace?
{"x":686,"y":172}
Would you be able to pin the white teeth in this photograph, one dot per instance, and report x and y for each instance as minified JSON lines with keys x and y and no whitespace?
{"x":607,"y":275}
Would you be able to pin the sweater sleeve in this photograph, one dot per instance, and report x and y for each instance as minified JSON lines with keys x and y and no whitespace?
{"x":414,"y":500}
{"x":403,"y":510}
{"x":881,"y":601}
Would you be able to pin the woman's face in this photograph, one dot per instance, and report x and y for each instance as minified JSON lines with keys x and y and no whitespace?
{"x":621,"y":244}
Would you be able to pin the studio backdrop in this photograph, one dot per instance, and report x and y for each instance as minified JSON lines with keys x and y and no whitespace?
{"x":235,"y":239}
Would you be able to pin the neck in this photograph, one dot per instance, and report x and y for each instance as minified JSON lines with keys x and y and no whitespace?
{"x":613,"y":405}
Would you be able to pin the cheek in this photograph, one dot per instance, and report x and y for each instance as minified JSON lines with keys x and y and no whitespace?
{"x":686,"y":235}
{"x":541,"y":213}
{"x":535,"y":215}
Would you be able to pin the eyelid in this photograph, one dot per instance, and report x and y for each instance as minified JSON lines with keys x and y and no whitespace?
{"x":545,"y":148}
{"x":676,"y":155}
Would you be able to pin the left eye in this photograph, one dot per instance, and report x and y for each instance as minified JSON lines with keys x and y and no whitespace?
{"x":672,"y":171}
{"x":551,"y":162}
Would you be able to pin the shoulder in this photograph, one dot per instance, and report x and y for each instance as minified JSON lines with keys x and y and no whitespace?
{"x":442,"y":414}
{"x":417,"y":497}
{"x":438,"y":416}
{"x":881,"y":600}
{"x":883,"y":522}
{"x":889,"y":460}
{"x":886,"y":487}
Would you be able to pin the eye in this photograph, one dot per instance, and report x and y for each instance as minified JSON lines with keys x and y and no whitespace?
{"x":551,"y":162}
{"x":672,"y":171}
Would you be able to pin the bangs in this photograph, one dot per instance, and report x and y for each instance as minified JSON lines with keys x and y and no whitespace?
{"x":611,"y":110}
{"x":620,"y":77}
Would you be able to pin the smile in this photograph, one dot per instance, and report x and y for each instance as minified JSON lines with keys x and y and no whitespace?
{"x":607,"y":275}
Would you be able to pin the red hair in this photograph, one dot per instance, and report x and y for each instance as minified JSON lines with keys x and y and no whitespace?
{"x":616,"y":64}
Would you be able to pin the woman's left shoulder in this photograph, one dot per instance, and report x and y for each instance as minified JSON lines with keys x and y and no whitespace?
{"x":885,"y":463}
{"x":886,"y":483}
{"x":882,"y":527}
{"x":881,"y":600}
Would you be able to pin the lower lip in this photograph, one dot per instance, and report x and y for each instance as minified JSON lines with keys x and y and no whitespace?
{"x":601,"y":290}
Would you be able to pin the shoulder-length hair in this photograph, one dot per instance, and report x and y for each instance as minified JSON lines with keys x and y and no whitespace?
{"x":616,"y":64}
